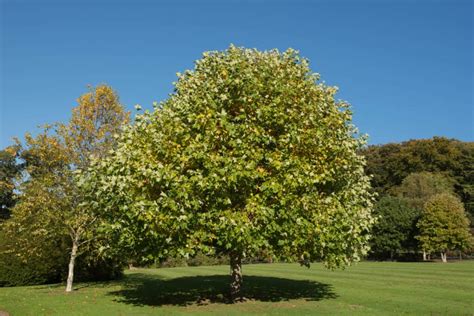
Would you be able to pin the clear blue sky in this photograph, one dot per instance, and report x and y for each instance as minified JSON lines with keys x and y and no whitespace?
{"x":405,"y":66}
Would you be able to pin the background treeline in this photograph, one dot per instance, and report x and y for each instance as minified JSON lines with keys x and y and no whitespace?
{"x":406,"y":177}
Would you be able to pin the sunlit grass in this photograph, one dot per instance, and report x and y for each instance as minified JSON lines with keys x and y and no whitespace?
{"x":368,"y":288}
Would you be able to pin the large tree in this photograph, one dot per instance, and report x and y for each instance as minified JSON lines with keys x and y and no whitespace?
{"x":250,"y":153}
{"x":444,"y":225}
{"x":51,"y":204}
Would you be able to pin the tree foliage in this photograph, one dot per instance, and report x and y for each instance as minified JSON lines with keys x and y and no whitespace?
{"x":9,"y":171}
{"x":21,"y":266}
{"x":395,"y":229}
{"x":33,"y":234}
{"x":418,"y":187}
{"x":34,"y":246}
{"x":251,"y":152}
{"x":444,"y":225}
{"x":96,"y":122}
{"x":91,"y":133}
{"x":51,"y":207}
{"x":391,"y":163}
{"x":404,"y":210}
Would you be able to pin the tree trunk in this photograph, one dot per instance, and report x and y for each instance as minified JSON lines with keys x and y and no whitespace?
{"x":72,"y":260}
{"x":443,"y":257}
{"x":424,"y":255}
{"x":236,"y":276}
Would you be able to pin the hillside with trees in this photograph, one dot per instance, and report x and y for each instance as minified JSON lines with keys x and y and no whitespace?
{"x":406,"y":176}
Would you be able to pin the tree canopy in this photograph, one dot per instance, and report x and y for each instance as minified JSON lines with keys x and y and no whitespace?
{"x":9,"y":170}
{"x":251,"y":152}
{"x":418,"y":187}
{"x":395,"y":229}
{"x":444,"y":225}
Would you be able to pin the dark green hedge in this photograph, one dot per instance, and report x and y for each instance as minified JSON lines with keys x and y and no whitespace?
{"x":50,"y":263}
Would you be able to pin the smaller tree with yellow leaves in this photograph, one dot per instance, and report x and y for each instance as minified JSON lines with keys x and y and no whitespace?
{"x":51,"y":204}
{"x":444,"y":225}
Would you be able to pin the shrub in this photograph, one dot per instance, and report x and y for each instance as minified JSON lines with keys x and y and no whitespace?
{"x":48,"y":264}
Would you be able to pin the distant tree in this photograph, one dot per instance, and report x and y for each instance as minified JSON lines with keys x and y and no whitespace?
{"x":395,"y":229}
{"x":418,"y":187}
{"x":465,"y":178}
{"x":444,"y":225}
{"x":51,"y":204}
{"x":385,"y":166}
{"x":250,"y":153}
{"x":9,"y":170}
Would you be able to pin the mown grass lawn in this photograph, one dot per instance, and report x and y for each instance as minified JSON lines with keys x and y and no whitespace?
{"x":368,"y":288}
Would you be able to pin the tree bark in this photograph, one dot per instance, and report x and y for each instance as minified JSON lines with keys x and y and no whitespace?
{"x":443,"y":257}
{"x":424,"y":255}
{"x":72,"y":260}
{"x":236,"y":276}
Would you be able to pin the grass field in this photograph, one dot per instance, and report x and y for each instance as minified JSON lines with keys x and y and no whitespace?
{"x":368,"y":288}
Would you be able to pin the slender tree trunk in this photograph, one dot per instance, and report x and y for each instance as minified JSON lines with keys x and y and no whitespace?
{"x":236,"y":276}
{"x":443,"y":257}
{"x":460,"y":255}
{"x":429,"y":256}
{"x":72,"y":260}
{"x":424,"y":255}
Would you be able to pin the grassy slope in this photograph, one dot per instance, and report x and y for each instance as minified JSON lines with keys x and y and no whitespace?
{"x":277,"y":289}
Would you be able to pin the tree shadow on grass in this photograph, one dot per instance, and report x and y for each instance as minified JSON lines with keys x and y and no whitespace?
{"x":144,"y":289}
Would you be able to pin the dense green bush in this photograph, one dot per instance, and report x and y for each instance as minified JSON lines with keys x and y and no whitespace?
{"x":171,"y":263}
{"x":97,"y":269}
{"x":203,"y":260}
{"x":198,"y":260}
{"x":39,"y":267}
{"x":394,"y":232}
{"x":52,"y":269}
{"x":48,"y":264}
{"x":13,"y":272}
